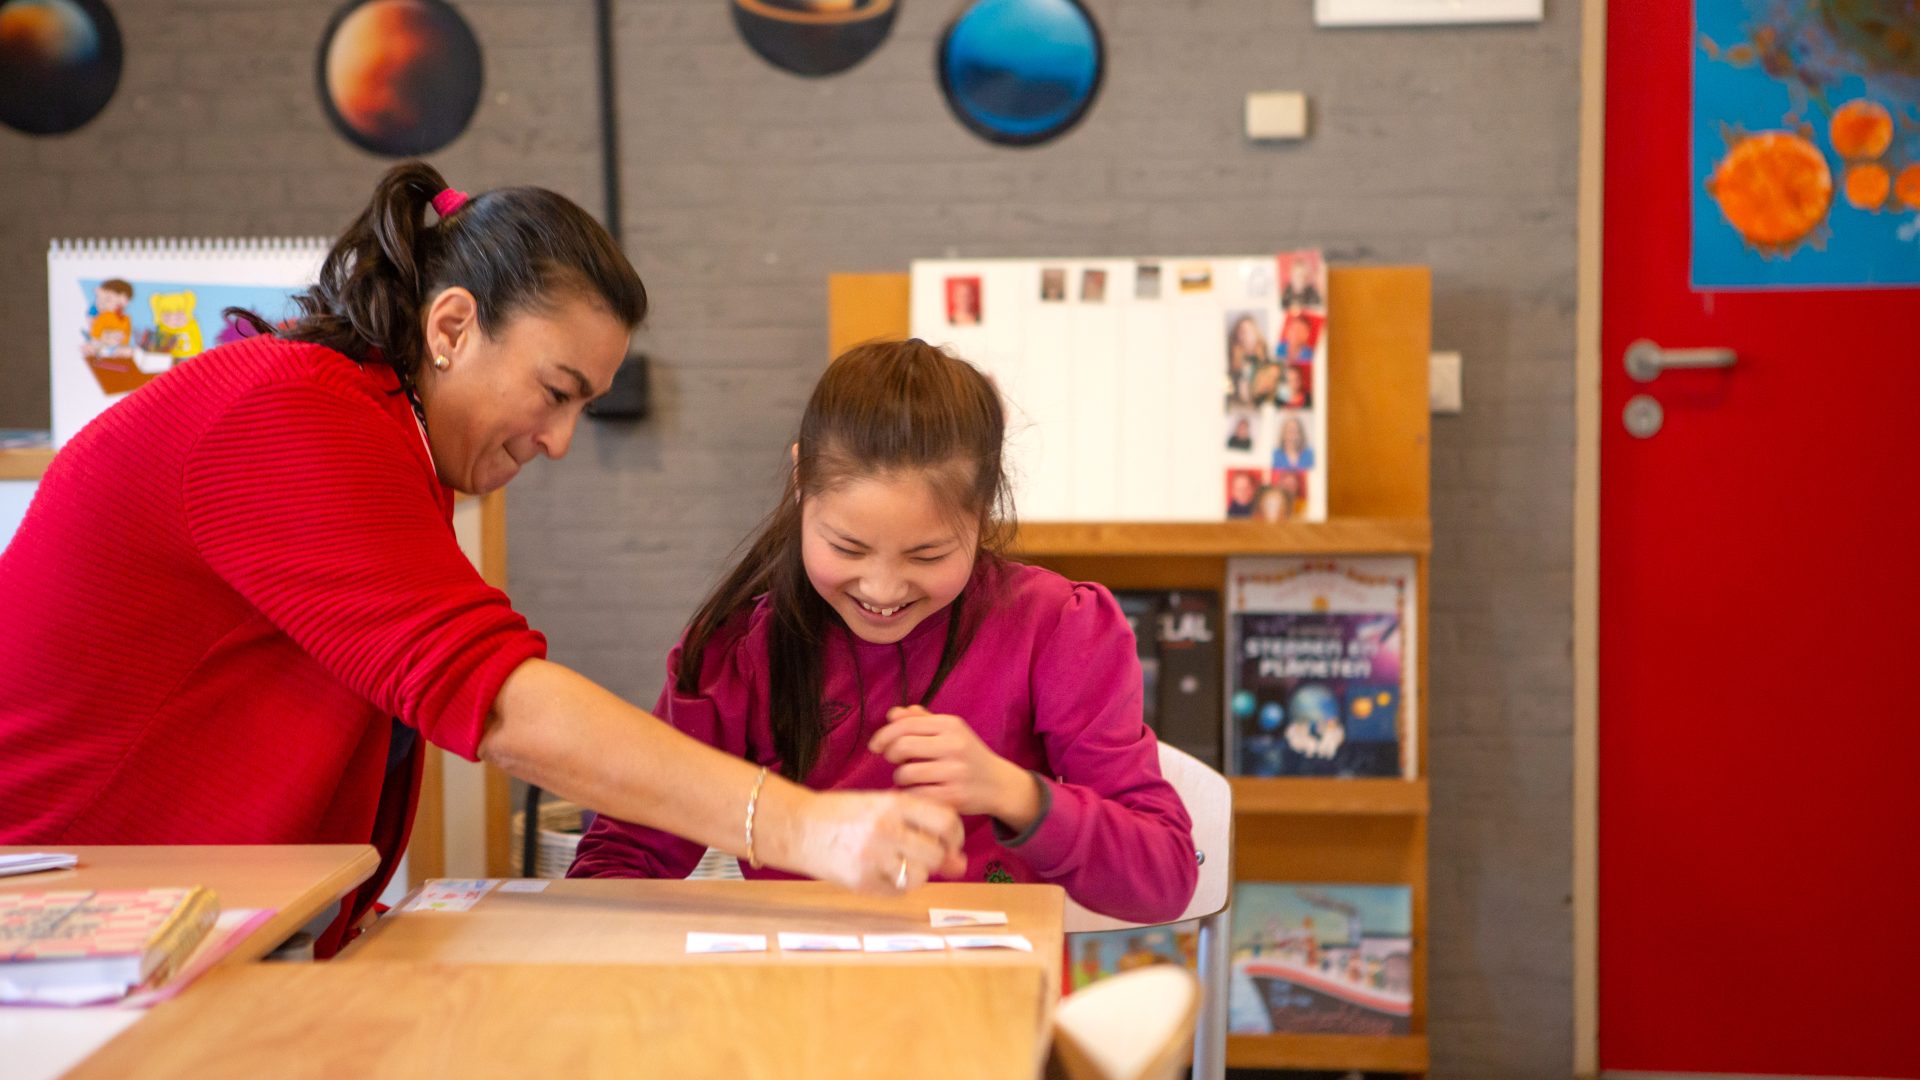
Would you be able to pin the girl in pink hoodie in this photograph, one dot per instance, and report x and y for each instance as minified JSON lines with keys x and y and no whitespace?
{"x":873,"y":637}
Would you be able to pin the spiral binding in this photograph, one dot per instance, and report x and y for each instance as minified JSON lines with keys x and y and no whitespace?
{"x":222,"y":246}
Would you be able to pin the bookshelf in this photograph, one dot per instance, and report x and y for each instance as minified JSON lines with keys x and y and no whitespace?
{"x":1288,"y":829}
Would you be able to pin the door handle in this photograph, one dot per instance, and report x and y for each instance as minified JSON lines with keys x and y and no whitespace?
{"x":1646,"y":360}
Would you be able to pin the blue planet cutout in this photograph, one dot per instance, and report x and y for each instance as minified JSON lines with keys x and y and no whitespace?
{"x":1243,"y":703}
{"x":1021,"y":72}
{"x":59,"y":63}
{"x":1271,"y":714}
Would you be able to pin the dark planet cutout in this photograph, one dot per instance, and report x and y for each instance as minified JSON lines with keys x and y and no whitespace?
{"x":59,"y":63}
{"x":1021,"y":72}
{"x":399,"y":77}
{"x":814,"y":37}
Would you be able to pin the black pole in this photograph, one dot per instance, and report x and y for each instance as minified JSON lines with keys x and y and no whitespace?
{"x":609,"y":122}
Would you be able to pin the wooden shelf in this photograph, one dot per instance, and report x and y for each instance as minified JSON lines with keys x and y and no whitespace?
{"x":24,"y":464}
{"x":1341,"y":536}
{"x":1373,"y":1053}
{"x":1315,"y":795}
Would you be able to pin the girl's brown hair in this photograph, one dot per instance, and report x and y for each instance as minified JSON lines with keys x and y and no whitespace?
{"x":881,"y":408}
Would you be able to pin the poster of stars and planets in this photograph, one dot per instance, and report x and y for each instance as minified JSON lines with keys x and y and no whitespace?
{"x":1805,"y":144}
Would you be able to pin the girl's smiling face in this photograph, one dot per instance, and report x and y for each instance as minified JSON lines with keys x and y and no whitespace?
{"x":884,"y":552}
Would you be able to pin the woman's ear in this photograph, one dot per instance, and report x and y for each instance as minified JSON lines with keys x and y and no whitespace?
{"x":452,"y":318}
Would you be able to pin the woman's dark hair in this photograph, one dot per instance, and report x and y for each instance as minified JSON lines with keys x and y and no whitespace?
{"x":881,"y":408}
{"x":514,"y":249}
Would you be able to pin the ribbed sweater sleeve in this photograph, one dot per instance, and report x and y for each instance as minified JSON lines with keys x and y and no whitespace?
{"x":306,"y":498}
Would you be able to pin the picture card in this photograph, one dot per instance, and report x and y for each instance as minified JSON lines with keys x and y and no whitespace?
{"x":893,"y":943}
{"x":792,"y":942}
{"x":960,"y":917}
{"x":725,"y":943}
{"x":989,"y":941}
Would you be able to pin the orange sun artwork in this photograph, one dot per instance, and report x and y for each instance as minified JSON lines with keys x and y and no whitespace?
{"x":1774,"y":187}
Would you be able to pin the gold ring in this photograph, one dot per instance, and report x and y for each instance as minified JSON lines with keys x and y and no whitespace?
{"x":900,"y":879}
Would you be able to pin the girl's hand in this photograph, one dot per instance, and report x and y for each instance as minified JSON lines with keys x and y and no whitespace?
{"x":871,"y":842}
{"x":939,"y":756}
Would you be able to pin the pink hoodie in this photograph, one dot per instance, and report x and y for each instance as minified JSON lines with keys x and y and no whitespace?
{"x":1050,"y":681}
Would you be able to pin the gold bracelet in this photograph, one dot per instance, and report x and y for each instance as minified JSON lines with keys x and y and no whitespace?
{"x":753,"y":802}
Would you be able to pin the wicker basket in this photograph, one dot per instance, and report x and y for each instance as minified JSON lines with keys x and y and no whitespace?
{"x":559,"y":837}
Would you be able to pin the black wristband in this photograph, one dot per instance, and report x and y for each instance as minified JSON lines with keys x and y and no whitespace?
{"x":1005,"y":836}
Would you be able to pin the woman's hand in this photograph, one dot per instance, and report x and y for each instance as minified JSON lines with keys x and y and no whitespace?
{"x":872,"y":842}
{"x":939,"y":756}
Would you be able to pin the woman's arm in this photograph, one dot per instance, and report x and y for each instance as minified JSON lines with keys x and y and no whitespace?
{"x":555,"y":728}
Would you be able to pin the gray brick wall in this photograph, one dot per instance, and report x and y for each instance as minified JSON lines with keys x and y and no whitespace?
{"x":745,"y":187}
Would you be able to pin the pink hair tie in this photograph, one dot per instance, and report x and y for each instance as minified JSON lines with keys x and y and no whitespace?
{"x":448,"y":201}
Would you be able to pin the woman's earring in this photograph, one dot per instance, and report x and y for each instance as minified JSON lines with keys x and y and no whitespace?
{"x":441,"y":363}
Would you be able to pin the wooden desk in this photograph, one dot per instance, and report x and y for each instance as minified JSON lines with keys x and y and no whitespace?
{"x":297,"y":881}
{"x":414,"y":1021}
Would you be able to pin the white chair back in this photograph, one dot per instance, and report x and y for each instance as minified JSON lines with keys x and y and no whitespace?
{"x":1209,"y":799}
{"x":1137,"y":1025}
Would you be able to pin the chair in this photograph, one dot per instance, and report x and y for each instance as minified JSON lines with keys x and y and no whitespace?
{"x":1137,"y":1025}
{"x":1209,"y":800}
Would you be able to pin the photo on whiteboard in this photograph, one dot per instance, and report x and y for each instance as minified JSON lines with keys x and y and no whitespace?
{"x":1274,"y":504}
{"x":1093,"y":286}
{"x":1146,"y":281}
{"x":1240,"y":428}
{"x":1196,"y":277}
{"x":964,"y":306}
{"x":1299,"y":336}
{"x":1295,"y":390}
{"x":1303,"y":275}
{"x":1293,"y":453}
{"x":1243,"y":490}
{"x":1053,"y":284}
{"x":1250,"y":376}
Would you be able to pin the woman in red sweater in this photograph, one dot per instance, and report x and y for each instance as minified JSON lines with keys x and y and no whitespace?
{"x":237,"y":596}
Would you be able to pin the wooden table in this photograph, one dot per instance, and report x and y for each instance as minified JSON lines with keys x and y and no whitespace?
{"x":297,"y":882}
{"x":592,"y":979}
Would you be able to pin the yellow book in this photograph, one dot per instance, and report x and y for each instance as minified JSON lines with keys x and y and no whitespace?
{"x":76,"y":947}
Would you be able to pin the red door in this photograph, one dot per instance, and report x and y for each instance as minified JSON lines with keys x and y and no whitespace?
{"x":1759,"y":774}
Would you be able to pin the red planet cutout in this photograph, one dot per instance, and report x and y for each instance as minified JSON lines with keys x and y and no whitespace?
{"x":399,"y":77}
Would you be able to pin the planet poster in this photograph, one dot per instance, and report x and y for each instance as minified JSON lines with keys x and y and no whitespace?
{"x":814,"y":37}
{"x":399,"y":77}
{"x":1805,"y":144}
{"x":59,"y":63}
{"x":1021,"y":72}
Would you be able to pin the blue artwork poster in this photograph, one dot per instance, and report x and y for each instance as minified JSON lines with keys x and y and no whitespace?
{"x":1805,"y":144}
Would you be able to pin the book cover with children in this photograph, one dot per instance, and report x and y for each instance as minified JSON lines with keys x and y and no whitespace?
{"x":122,"y":313}
{"x":1100,"y":954}
{"x":1321,"y":665}
{"x":1317,"y":959}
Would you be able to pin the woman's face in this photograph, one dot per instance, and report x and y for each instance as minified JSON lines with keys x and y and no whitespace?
{"x":1298,"y":333}
{"x":1242,"y":488}
{"x":1292,"y":435}
{"x":509,"y":398}
{"x":882,"y":551}
{"x":1246,"y":338}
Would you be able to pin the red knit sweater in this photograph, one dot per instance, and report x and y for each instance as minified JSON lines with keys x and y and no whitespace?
{"x":224,"y":588}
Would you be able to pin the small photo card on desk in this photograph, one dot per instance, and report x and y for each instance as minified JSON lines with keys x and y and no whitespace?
{"x":957,"y":917}
{"x":725,"y":943}
{"x":892,"y":943}
{"x":34,"y":862}
{"x":456,"y":894}
{"x":989,"y":941}
{"x":791,"y":942}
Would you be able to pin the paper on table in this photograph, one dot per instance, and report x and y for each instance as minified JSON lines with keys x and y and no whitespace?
{"x":791,"y":942}
{"x":450,"y":894}
{"x":524,"y":885}
{"x":33,"y":862}
{"x":725,"y":943}
{"x":989,"y":941}
{"x":888,"y":943}
{"x":958,"y":917}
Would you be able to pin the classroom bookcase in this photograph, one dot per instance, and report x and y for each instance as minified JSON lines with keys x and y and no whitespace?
{"x":1288,"y":829}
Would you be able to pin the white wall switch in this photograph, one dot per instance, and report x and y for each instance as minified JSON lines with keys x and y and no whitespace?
{"x":1443,"y":383}
{"x":1277,"y":115}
